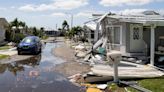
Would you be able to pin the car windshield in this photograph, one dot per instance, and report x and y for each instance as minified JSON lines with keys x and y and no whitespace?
{"x":28,"y":40}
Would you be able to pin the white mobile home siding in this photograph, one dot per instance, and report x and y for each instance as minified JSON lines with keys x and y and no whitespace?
{"x":2,"y":35}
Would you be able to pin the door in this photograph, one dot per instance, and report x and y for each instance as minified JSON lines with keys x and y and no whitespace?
{"x":136,"y":38}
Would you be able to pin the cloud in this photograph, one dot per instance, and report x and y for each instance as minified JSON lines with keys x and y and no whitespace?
{"x":42,"y":7}
{"x":131,"y":11}
{"x":56,"y":4}
{"x":125,"y":2}
{"x":58,"y":14}
{"x":2,"y":8}
{"x":88,"y":13}
{"x":137,"y":11}
{"x":83,"y":14}
{"x":70,"y":4}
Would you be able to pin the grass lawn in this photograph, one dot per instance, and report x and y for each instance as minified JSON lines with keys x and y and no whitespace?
{"x":155,"y":84}
{"x":4,"y":47}
{"x":3,"y":56}
{"x":44,"y":37}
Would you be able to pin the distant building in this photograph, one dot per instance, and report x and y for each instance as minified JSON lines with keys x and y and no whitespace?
{"x":3,"y":25}
{"x":51,"y":32}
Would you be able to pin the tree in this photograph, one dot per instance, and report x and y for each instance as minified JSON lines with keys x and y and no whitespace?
{"x":65,"y":28}
{"x":22,"y":24}
{"x":8,"y":33}
{"x":74,"y":31}
{"x":65,"y":25}
{"x":15,"y":23}
{"x":41,"y":33}
{"x":35,"y":31}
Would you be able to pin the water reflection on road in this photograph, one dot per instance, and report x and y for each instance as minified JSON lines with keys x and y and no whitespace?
{"x":35,"y":74}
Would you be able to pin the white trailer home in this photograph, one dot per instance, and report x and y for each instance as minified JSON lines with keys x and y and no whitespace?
{"x":133,"y":35}
{"x":3,"y":25}
{"x":93,"y":32}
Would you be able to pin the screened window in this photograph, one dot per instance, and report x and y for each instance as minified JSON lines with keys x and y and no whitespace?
{"x":115,"y":33}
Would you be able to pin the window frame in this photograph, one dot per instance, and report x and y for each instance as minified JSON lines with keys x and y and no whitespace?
{"x":113,"y":26}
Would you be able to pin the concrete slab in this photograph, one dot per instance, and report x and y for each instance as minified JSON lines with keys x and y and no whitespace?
{"x":128,"y":71}
{"x":8,"y":52}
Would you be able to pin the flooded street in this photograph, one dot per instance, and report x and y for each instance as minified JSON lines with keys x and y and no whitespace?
{"x":35,"y":74}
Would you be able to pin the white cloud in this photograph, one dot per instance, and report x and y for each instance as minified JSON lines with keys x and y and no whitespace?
{"x":88,"y":13}
{"x":131,"y":11}
{"x":42,"y":7}
{"x":58,"y":14}
{"x":124,"y":2}
{"x":2,"y":8}
{"x":12,"y":7}
{"x":27,"y":8}
{"x":56,"y":4}
{"x":70,"y":4}
{"x":137,"y":11}
{"x":83,"y":14}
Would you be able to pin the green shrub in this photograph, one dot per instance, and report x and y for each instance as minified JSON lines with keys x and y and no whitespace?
{"x":18,"y":37}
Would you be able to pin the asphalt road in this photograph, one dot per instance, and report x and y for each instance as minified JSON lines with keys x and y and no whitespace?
{"x":27,"y":73}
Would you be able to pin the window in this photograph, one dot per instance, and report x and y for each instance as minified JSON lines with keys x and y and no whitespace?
{"x":136,"y":35}
{"x":115,"y":34}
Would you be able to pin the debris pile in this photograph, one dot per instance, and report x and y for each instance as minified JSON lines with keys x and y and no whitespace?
{"x":102,"y":62}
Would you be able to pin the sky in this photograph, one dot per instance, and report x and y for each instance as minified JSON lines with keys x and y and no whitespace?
{"x":51,"y":13}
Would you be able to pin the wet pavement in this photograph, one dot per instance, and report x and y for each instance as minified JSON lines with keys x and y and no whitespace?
{"x":35,"y":74}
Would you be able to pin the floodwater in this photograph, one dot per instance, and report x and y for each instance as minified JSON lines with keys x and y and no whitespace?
{"x":35,"y":74}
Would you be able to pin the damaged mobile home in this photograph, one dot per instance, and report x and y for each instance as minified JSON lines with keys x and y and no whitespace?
{"x":92,"y":33}
{"x":133,"y":35}
{"x":121,"y":36}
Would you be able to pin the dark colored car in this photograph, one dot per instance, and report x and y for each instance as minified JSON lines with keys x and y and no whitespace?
{"x":30,"y":44}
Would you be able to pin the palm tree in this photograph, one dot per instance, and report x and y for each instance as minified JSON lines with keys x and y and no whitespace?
{"x":41,"y":33}
{"x":65,"y":25}
{"x":26,"y":30}
{"x":15,"y":23}
{"x":22,"y":24}
{"x":35,"y":31}
{"x":8,"y":32}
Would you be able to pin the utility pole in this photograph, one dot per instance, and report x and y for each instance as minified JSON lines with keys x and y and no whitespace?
{"x":71,"y":18}
{"x":71,"y":21}
{"x":56,"y":27}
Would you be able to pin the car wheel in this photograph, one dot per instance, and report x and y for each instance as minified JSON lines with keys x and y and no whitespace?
{"x":36,"y":51}
{"x":19,"y":53}
{"x":40,"y":50}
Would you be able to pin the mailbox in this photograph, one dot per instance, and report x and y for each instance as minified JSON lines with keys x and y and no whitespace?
{"x":115,"y":58}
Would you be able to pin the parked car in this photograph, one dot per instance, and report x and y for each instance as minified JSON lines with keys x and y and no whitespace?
{"x":30,"y":44}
